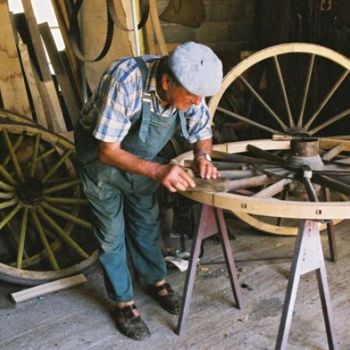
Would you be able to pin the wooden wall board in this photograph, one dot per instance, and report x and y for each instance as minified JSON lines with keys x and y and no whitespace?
{"x":32,"y":83}
{"x":12,"y":86}
{"x":60,"y":72}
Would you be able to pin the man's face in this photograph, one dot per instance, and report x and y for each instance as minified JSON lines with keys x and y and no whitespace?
{"x":177,"y":96}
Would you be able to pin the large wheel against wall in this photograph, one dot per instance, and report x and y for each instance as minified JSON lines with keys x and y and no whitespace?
{"x":44,"y":233}
{"x":288,"y":89}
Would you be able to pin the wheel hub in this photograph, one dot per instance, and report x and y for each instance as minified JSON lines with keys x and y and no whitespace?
{"x":305,"y":151}
{"x":30,"y":191}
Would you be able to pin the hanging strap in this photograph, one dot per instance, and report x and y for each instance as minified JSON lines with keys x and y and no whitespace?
{"x":146,"y":100}
{"x":146,"y":105}
{"x":74,"y":34}
{"x":183,"y":124}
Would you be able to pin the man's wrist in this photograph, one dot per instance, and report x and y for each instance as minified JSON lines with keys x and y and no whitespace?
{"x":205,"y":155}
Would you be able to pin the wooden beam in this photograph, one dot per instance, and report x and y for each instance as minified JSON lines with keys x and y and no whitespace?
{"x":61,"y":73}
{"x":12,"y":86}
{"x":47,"y":288}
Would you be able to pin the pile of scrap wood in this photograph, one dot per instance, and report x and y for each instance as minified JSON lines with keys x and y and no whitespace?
{"x":48,"y":93}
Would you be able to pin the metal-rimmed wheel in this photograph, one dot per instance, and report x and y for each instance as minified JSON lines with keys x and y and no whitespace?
{"x":257,"y":179}
{"x":288,"y":89}
{"x":44,"y":234}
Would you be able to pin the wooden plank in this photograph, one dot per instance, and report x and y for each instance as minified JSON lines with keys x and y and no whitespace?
{"x":49,"y":97}
{"x":47,"y":288}
{"x":157,"y":28}
{"x":12,"y":86}
{"x":61,"y":12}
{"x":60,"y":71}
{"x":52,"y":106}
{"x":38,"y":46}
{"x":32,"y":83}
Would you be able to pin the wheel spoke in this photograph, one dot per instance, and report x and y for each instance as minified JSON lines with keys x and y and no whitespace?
{"x":66,"y":200}
{"x":62,"y":233}
{"x":35,"y":155}
{"x":326,"y":99}
{"x":248,"y":121}
{"x":249,"y":182}
{"x":333,"y":152}
{"x":284,"y":91}
{"x":273,"y":189}
{"x":14,"y":159}
{"x":22,"y":238}
{"x":306,"y":91}
{"x":44,"y":240}
{"x":330,"y":121}
{"x":46,"y":154}
{"x":15,"y":146}
{"x":264,"y":103}
{"x":7,"y":175}
{"x":62,"y":186}
{"x":331,"y":183}
{"x":258,"y":152}
{"x":237,"y":158}
{"x":5,"y":186}
{"x":310,"y":190}
{"x":6,"y":219}
{"x":66,"y":215}
{"x":7,"y":204}
{"x":235,"y":174}
{"x":6,"y":195}
{"x":57,"y":165}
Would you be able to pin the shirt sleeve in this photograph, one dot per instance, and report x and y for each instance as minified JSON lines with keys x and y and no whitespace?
{"x":117,"y":105}
{"x":198,"y":122}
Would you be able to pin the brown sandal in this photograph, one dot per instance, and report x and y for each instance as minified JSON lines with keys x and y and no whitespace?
{"x":132,"y":326}
{"x":171,"y":301}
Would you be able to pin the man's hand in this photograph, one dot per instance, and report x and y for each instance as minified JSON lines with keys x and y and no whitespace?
{"x":174,"y":178}
{"x":205,"y":168}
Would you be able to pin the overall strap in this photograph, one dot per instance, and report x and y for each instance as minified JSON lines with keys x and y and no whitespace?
{"x":146,"y":100}
{"x":183,"y":125}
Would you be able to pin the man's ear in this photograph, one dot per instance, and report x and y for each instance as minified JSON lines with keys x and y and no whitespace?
{"x":165,"y":81}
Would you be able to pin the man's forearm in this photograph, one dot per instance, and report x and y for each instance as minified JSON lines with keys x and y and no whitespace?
{"x":126,"y":161}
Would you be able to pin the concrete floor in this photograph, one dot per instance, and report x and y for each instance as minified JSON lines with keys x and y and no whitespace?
{"x":82,"y":317}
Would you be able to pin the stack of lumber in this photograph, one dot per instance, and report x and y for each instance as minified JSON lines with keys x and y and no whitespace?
{"x":28,"y":87}
{"x":42,"y":83}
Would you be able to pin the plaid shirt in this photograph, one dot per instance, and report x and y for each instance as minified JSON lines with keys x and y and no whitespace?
{"x":118,"y":98}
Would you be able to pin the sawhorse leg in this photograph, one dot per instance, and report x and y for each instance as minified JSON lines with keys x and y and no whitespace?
{"x":330,"y":229}
{"x":308,"y":256}
{"x":211,"y":221}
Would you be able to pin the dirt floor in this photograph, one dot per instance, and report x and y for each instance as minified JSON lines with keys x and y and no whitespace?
{"x":82,"y":317}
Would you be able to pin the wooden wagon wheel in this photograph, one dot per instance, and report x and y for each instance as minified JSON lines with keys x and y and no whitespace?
{"x":6,"y":115}
{"x":43,"y":232}
{"x":259,"y":177}
{"x":288,"y":89}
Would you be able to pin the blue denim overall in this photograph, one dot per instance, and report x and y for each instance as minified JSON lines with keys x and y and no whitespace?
{"x":124,"y":204}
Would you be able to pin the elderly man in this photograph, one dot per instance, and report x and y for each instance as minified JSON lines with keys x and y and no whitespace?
{"x":138,"y":106}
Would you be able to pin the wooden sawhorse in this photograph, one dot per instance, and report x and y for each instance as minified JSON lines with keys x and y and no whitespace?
{"x":211,"y":221}
{"x":308,"y":256}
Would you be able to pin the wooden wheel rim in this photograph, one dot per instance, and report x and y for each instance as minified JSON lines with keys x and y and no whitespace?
{"x":269,"y":207}
{"x":63,"y":148}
